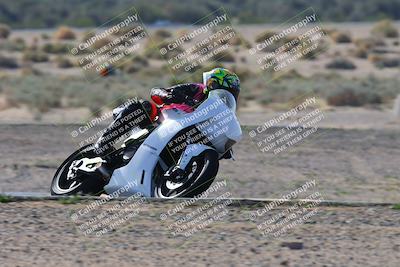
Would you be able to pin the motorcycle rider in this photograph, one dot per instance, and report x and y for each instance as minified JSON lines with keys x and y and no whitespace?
{"x":184,"y":97}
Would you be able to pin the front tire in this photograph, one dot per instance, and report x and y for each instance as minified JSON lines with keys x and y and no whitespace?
{"x":203,"y":170}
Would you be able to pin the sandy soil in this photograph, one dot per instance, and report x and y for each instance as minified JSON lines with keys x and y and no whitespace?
{"x":360,"y":165}
{"x":42,"y":234}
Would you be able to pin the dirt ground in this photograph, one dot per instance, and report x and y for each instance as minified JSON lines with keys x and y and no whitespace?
{"x":42,"y":234}
{"x":351,"y":164}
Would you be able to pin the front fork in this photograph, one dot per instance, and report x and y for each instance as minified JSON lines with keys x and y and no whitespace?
{"x":178,"y":172}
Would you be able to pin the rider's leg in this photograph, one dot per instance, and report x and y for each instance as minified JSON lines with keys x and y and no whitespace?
{"x":126,"y":118}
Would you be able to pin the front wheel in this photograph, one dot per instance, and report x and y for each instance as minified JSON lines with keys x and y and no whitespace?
{"x":61,"y":185}
{"x":201,"y":172}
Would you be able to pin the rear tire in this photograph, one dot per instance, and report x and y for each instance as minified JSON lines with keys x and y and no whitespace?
{"x":92,"y":186}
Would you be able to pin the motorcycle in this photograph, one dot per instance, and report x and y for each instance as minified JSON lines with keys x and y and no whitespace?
{"x":177,"y":156}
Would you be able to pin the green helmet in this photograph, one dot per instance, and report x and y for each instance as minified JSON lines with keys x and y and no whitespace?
{"x":220,"y":78}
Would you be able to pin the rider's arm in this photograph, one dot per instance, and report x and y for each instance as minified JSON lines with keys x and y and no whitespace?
{"x":178,"y":93}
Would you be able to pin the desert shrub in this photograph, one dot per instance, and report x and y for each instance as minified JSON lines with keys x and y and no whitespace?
{"x":350,"y":97}
{"x":153,"y":51}
{"x":223,"y":56}
{"x":369,"y":43}
{"x":361,"y":52}
{"x":57,"y":48}
{"x":341,"y":37}
{"x":17,"y":44}
{"x":34,"y":44}
{"x":4,"y":31}
{"x":87,"y":35}
{"x":396,"y":43}
{"x":290,"y":74}
{"x":372,"y":90}
{"x":8,"y":62}
{"x":185,"y":33}
{"x":380,"y":42}
{"x":243,"y":73}
{"x":274,"y":45}
{"x":132,"y":68}
{"x":45,"y":36}
{"x":135,"y":64}
{"x":64,"y":33}
{"x":46,"y":91}
{"x":35,"y":56}
{"x":311,"y":54}
{"x":99,"y":43}
{"x":329,"y":31}
{"x":30,"y":71}
{"x":282,"y":91}
{"x":140,"y":60}
{"x":162,"y":34}
{"x":340,"y":63}
{"x":385,"y":62}
{"x":63,"y":62}
{"x":199,"y":48}
{"x":261,"y":37}
{"x":174,"y":81}
{"x":250,"y":89}
{"x":385,"y":28}
{"x":138,"y":28}
{"x":373,"y":58}
{"x":19,"y":41}
{"x":239,"y":40}
{"x":246,"y":95}
{"x":380,"y":51}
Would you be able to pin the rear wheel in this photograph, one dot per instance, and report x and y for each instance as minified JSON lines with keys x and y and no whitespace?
{"x":63,"y":185}
{"x":201,"y":172}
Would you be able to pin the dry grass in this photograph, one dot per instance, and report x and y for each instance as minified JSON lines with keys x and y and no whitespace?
{"x":373,"y":58}
{"x":223,"y":56}
{"x":385,"y":28}
{"x":261,"y":37}
{"x":35,"y":56}
{"x":369,"y":43}
{"x":350,"y":97}
{"x":341,"y":37}
{"x":385,"y":62}
{"x":55,"y":48}
{"x":64,"y":33}
{"x":135,"y":64}
{"x":162,"y":34}
{"x":63,"y":62}
{"x":4,"y":31}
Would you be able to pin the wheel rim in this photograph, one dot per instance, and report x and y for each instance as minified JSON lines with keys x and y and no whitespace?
{"x":170,"y":189}
{"x":63,"y":185}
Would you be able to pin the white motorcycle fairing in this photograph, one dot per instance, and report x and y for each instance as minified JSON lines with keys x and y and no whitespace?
{"x":139,"y":170}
